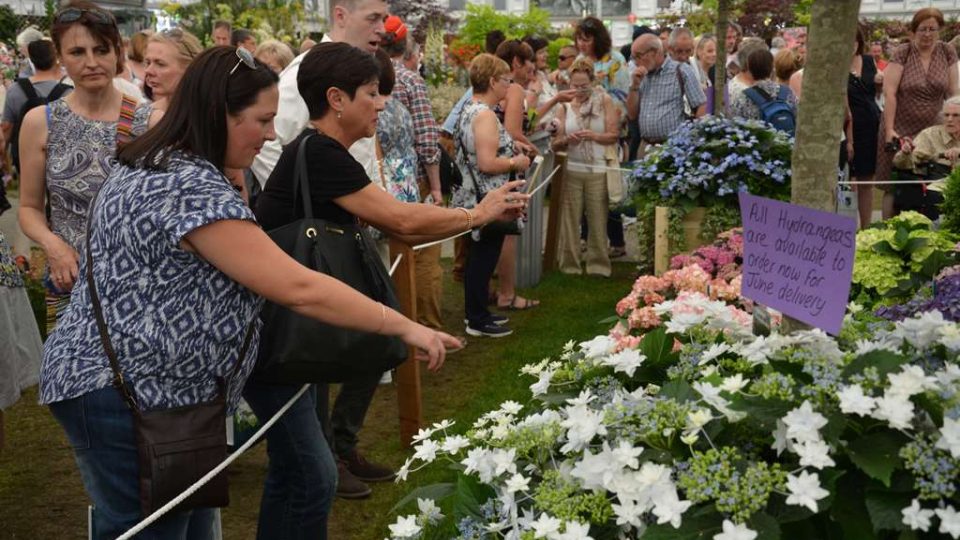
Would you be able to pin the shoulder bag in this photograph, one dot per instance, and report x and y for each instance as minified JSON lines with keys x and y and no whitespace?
{"x":176,"y":447}
{"x":296,"y":349}
{"x":496,"y":227}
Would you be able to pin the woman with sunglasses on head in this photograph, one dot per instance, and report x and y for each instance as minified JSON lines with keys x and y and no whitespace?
{"x":609,"y":66}
{"x":67,"y":147}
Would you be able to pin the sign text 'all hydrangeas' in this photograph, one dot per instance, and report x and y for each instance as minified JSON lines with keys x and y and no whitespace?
{"x":797,"y":260}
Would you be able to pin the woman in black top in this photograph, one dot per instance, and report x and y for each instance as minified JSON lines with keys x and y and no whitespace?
{"x":339,"y":84}
{"x":862,"y":130}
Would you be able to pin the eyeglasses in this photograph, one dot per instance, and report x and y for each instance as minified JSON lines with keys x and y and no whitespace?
{"x":638,"y":55}
{"x":928,"y":30}
{"x":71,"y":15}
{"x":245,"y":58}
{"x":564,"y":57}
{"x":508,"y":80}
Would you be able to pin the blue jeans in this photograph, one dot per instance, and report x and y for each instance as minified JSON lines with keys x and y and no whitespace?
{"x":99,"y":426}
{"x":301,"y":475}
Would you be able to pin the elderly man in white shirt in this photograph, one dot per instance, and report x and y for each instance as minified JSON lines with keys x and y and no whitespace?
{"x":358,"y":23}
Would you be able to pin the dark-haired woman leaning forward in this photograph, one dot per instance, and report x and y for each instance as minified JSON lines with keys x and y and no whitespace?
{"x":340,"y":85}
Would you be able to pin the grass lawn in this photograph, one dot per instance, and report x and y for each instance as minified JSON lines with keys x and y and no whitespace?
{"x":40,"y":491}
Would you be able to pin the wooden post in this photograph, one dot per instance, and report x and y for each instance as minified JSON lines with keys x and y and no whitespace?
{"x":408,"y":373}
{"x":553,"y":220}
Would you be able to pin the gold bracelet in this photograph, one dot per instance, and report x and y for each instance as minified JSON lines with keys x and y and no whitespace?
{"x":383,"y":317}
{"x":469,"y":217}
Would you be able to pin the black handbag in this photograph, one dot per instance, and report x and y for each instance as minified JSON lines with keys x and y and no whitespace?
{"x":176,"y":447}
{"x":295,"y":349}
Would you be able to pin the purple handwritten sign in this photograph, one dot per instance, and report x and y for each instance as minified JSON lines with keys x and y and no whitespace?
{"x":797,"y":260}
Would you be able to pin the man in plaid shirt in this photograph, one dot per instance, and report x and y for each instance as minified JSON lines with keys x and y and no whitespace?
{"x":411,"y":90}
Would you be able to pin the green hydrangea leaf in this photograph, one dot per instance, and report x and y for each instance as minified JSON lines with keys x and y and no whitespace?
{"x":878,"y":454}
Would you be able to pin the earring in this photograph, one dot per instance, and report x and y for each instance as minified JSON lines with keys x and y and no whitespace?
{"x":339,"y":116}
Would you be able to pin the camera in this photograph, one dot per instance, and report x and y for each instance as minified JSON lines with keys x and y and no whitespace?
{"x":893,"y":146}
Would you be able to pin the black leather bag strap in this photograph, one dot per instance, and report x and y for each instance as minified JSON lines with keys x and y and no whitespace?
{"x":118,"y":381}
{"x":301,"y":180}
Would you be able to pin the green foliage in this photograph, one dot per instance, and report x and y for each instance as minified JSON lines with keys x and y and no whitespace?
{"x":877,"y":454}
{"x":482,"y":18}
{"x":553,"y":50}
{"x":9,"y":24}
{"x":950,"y":209}
{"x":268,"y":19}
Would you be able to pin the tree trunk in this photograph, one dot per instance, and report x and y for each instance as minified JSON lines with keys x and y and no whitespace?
{"x":830,"y":43}
{"x":831,"y":38}
{"x":720,"y":84}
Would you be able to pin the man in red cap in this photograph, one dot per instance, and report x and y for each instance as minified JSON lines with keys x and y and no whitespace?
{"x":359,"y":23}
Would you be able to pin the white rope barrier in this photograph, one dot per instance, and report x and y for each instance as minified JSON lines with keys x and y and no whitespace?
{"x":544,"y":183}
{"x":216,"y":470}
{"x":589,"y":165}
{"x":872,"y":182}
{"x":396,"y":263}
{"x":435,"y":242}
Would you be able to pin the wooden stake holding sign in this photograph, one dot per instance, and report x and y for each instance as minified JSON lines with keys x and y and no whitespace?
{"x":408,"y":373}
{"x":553,"y":222}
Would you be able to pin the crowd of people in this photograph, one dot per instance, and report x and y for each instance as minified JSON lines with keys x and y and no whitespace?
{"x":151,"y":169}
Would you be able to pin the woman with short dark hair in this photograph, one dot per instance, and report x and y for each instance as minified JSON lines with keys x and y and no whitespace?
{"x":340,"y":86}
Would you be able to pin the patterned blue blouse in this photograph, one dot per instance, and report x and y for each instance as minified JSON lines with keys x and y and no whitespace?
{"x":176,"y":322}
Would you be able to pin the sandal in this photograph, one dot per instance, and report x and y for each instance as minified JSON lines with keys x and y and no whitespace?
{"x":524,"y":305}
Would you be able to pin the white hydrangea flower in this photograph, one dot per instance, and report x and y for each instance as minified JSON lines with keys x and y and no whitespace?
{"x":713,"y":352}
{"x":598,"y":346}
{"x":423,"y":434}
{"x":921,"y":331}
{"x":511,"y":407}
{"x":479,"y":461}
{"x":405,"y":527}
{"x":895,"y":409}
{"x":949,"y":521}
{"x":734,"y":383}
{"x":909,"y":381}
{"x":711,"y":394}
{"x":630,"y":513}
{"x":516,"y":483}
{"x":404,"y":471}
{"x":443,"y":424}
{"x":780,"y":440}
{"x":738,"y":531}
{"x":854,"y":401}
{"x":543,"y":383}
{"x":429,"y":511}
{"x":668,"y":508}
{"x":582,"y":425}
{"x":575,"y":531}
{"x":626,"y":361}
{"x":681,"y":322}
{"x":454,"y":444}
{"x":426,"y":451}
{"x":916,"y":517}
{"x":546,"y":526}
{"x":950,"y":337}
{"x":805,"y":490}
{"x":950,"y":437}
{"x":803,"y":423}
{"x":814,"y":454}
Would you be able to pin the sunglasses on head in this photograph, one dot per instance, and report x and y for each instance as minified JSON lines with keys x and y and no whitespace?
{"x":245,"y":58}
{"x":70,"y":15}
{"x":175,"y":33}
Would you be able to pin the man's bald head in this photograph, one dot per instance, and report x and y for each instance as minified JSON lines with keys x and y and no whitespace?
{"x":647,"y":50}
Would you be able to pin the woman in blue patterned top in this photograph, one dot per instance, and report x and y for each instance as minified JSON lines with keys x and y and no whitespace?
{"x":181,"y":268}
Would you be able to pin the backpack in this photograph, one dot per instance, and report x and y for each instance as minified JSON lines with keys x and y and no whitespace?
{"x":33,"y":100}
{"x":776,"y":111}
